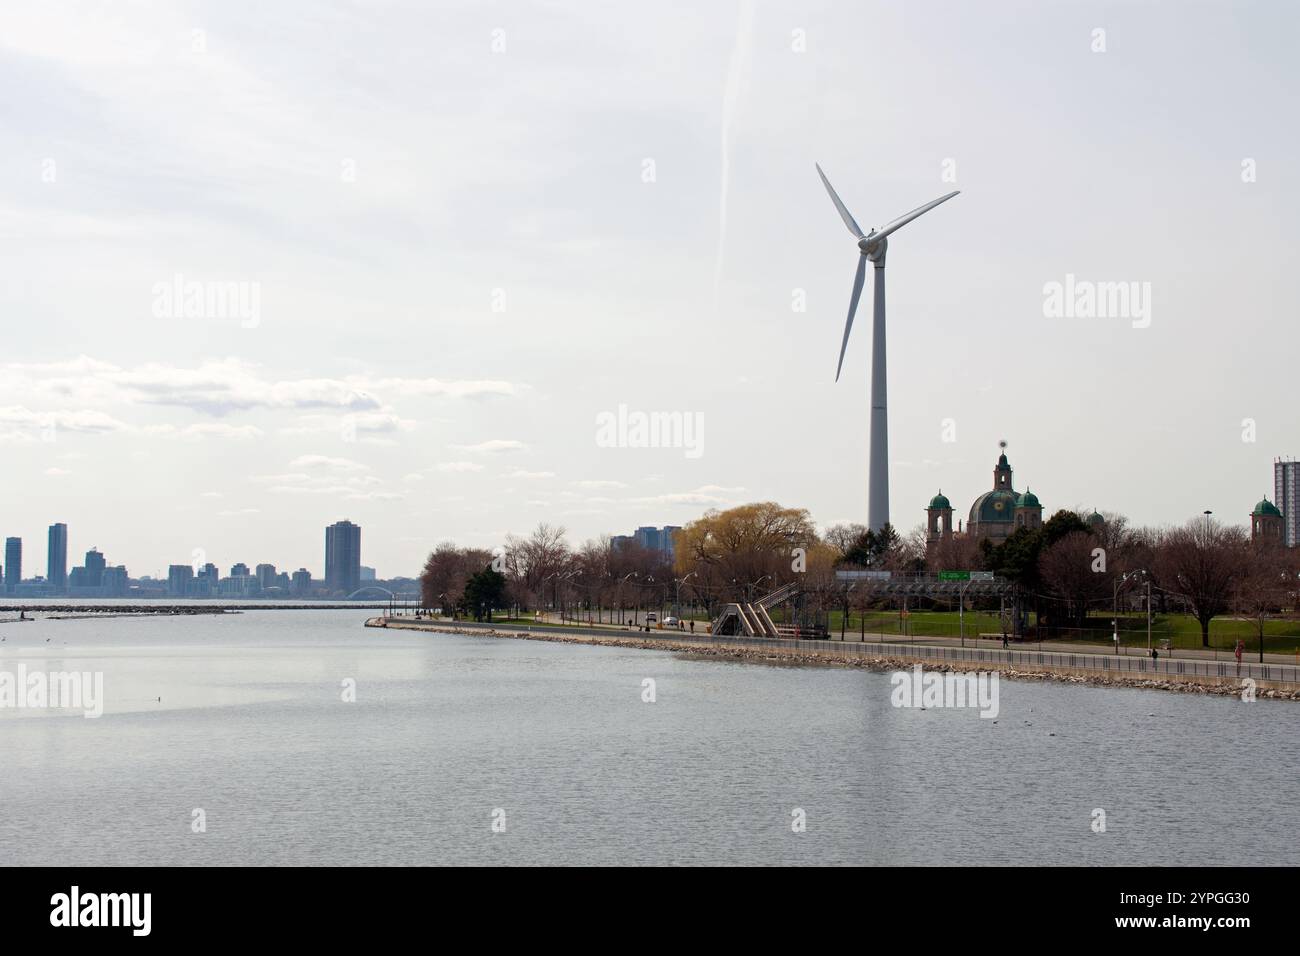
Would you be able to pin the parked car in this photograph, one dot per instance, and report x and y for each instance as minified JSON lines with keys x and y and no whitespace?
{"x":671,"y":621}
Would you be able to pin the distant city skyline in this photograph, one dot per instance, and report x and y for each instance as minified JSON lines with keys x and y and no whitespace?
{"x":199,"y":578}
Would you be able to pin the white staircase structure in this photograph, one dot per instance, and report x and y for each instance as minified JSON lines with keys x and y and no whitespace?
{"x":753,"y":620}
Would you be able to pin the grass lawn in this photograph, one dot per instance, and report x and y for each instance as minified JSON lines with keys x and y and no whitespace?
{"x":1181,"y":630}
{"x":919,"y":623}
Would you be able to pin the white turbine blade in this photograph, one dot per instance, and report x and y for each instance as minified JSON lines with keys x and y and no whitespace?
{"x":902,"y":221}
{"x":853,"y":308}
{"x":844,"y":213}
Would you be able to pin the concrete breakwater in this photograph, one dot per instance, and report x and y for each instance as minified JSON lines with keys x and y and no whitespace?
{"x":69,"y":611}
{"x":795,"y":655}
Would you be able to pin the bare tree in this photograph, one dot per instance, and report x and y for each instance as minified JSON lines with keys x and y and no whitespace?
{"x":446,"y":573}
{"x":1070,"y":571}
{"x":843,"y":537}
{"x":535,"y":561}
{"x":954,"y":553}
{"x":1264,"y":586}
{"x":1203,"y":561}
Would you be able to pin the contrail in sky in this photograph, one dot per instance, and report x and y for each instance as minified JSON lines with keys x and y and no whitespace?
{"x":737,"y":74}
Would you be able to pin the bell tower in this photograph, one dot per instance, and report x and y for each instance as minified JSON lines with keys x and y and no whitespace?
{"x":938,"y":519}
{"x":1266,"y":523}
{"x":1002,"y":473}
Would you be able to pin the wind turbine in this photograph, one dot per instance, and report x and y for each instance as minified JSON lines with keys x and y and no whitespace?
{"x":872,"y":246}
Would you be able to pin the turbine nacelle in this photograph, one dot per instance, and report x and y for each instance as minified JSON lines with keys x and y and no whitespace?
{"x":873,"y":246}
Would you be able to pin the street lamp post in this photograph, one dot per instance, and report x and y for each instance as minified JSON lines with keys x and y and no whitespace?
{"x":845,"y":616}
{"x":1149,"y":648}
{"x":560,"y":594}
{"x":542,"y":590}
{"x":636,"y":611}
{"x":677,"y":609}
{"x":1119,"y":583}
{"x":961,"y":612}
{"x":618,"y":594}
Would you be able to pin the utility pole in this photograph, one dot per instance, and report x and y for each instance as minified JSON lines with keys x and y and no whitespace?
{"x":961,"y":612}
{"x":1148,"y":615}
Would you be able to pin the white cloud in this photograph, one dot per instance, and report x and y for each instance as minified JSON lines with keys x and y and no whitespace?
{"x":233,"y":385}
{"x":493,"y":446}
{"x":375,"y":496}
{"x":432,"y":387}
{"x":229,"y":385}
{"x":206,"y":430}
{"x":362,"y":426}
{"x":82,"y":420}
{"x":705,"y":495}
{"x":455,"y":467}
{"x":327,"y":463}
{"x":288,"y":478}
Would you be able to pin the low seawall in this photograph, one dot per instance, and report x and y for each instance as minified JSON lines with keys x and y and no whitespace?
{"x":870,"y":657}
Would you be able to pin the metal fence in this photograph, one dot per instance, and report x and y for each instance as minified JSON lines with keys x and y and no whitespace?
{"x":1104,"y":664}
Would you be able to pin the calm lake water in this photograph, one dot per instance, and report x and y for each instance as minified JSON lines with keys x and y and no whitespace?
{"x":447,"y":729}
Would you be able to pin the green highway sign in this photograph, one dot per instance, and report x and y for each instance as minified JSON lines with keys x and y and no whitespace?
{"x":954,"y":575}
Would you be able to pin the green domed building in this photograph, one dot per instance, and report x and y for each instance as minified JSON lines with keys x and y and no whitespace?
{"x":1266,"y":522}
{"x":995,"y":515}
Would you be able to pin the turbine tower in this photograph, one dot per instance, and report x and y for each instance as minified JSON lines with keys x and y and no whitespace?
{"x":872,"y":246}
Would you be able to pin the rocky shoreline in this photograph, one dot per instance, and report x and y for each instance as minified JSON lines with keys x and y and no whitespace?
{"x":793,"y":657}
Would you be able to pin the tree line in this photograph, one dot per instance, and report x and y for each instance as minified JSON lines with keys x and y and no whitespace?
{"x":1065,"y":569}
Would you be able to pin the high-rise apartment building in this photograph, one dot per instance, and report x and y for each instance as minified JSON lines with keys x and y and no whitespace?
{"x":343,"y":557}
{"x":266,"y":576}
{"x":1286,"y":495}
{"x":113,"y":582}
{"x":56,"y":564}
{"x":652,"y":539}
{"x":301,"y":584}
{"x":95,"y":565}
{"x":179,"y":577}
{"x":13,"y":564}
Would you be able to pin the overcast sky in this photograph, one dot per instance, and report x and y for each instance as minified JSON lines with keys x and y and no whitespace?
{"x":469,"y":229}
